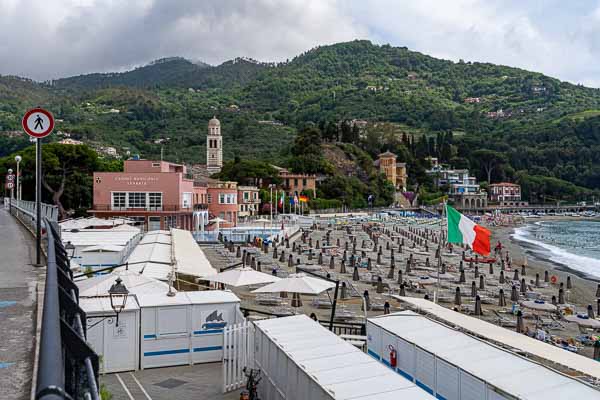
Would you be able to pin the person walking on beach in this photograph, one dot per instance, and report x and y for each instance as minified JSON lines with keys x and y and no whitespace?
{"x":498,"y":248}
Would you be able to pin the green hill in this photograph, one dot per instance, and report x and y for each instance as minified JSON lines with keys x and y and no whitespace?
{"x":415,"y":105}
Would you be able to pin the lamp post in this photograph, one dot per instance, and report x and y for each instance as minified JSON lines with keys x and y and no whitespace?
{"x":70,"y":250}
{"x":18,"y":160}
{"x":12,"y":191}
{"x":116,"y":290}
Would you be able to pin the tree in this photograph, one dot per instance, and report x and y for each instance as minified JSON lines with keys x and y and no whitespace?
{"x":489,"y":160}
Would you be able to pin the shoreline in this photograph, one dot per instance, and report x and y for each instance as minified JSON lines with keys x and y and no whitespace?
{"x":584,"y":285}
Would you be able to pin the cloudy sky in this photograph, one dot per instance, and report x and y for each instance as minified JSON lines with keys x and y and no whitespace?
{"x":45,"y":39}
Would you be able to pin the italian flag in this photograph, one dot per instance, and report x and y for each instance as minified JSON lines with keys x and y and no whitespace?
{"x":462,"y":230}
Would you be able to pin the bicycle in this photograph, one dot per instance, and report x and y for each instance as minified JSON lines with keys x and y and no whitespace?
{"x":253,"y":378}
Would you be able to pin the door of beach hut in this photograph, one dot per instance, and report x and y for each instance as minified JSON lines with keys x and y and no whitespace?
{"x":238,"y":352}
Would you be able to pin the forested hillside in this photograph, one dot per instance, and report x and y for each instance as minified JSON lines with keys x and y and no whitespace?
{"x":502,"y":122}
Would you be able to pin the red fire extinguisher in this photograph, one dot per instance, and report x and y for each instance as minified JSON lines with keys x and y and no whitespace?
{"x":393,"y":357}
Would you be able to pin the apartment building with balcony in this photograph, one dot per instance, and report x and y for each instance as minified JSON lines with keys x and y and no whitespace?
{"x":156,"y":194}
{"x":222,"y":199}
{"x":248,"y":201}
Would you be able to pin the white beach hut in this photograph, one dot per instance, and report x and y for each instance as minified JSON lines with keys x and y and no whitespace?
{"x":117,"y":345}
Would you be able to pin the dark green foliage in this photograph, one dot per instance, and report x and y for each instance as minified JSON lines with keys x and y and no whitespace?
{"x":248,"y":172}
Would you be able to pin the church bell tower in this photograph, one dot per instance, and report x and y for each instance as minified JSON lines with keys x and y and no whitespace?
{"x":214,"y":147}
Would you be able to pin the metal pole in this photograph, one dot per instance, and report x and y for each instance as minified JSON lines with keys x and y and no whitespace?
{"x":335,"y":296}
{"x":38,"y":201}
{"x":18,"y":183}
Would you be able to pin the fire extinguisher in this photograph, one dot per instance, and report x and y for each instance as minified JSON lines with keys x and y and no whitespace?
{"x":393,"y":357}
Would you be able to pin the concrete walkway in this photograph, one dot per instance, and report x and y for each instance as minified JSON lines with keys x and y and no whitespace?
{"x":18,"y":280}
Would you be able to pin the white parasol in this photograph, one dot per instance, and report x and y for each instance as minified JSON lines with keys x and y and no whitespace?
{"x":244,"y":276}
{"x":583,"y":320}
{"x":297,"y":283}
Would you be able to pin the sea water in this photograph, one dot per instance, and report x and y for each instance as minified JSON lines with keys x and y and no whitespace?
{"x":574,"y":243}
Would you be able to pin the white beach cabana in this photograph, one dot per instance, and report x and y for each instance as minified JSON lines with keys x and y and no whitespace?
{"x":244,"y":276}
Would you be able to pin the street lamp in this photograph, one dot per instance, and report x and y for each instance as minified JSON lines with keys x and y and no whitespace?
{"x":116,"y":290}
{"x":18,"y":160}
{"x":70,"y":248}
{"x":12,"y":191}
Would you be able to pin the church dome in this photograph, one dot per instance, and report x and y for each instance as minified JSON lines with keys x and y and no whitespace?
{"x":214,"y":122}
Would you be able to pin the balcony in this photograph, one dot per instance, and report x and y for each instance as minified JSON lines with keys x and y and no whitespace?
{"x":163,"y":208}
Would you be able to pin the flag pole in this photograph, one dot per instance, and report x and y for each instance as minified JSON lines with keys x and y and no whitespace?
{"x":439,"y":263}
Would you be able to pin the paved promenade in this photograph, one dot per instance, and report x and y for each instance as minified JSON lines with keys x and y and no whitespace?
{"x":18,"y":279}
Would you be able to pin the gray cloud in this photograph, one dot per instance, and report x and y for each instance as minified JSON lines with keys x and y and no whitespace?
{"x":57,"y":38}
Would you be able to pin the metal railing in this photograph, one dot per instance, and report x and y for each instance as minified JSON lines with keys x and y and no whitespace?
{"x":26,"y":212}
{"x":67,"y":366}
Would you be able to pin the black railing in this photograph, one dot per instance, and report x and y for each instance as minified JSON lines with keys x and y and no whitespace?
{"x":67,"y":367}
{"x":346,"y":328}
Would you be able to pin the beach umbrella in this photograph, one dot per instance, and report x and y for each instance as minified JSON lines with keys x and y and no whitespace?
{"x":516,"y":276}
{"x":561,"y":296}
{"x":367,"y":300}
{"x":290,"y":261}
{"x":520,"y":327}
{"x":478,"y":306}
{"x":282,"y":256}
{"x":400,"y":279}
{"x":343,"y":291}
{"x":522,"y":270}
{"x":427,"y":265}
{"x":473,"y":289}
{"x":590,"y":311}
{"x":296,"y":300}
{"x":443,"y":268}
{"x":408,"y":266}
{"x":369,"y":265}
{"x":501,"y":298}
{"x":402,"y":290}
{"x":391,"y":273}
{"x":379,"y":285}
{"x":546,"y":277}
{"x":583,"y":321}
{"x":244,"y":276}
{"x":355,"y":276}
{"x":258,"y":266}
{"x":598,"y":306}
{"x":481,"y":283}
{"x":217,"y":221}
{"x":514,"y":295}
{"x":597,"y":350}
{"x":462,"y":278}
{"x":331,"y":263}
{"x":537,"y":280}
{"x":320,"y":259}
{"x":317,"y":246}
{"x":554,"y":300}
{"x":491,"y":269}
{"x":523,"y":286}
{"x":569,"y":285}
{"x":342,"y":267}
{"x":457,"y":297}
{"x":538,"y":305}
{"x":297,"y":283}
{"x":501,"y":279}
{"x":476,"y":272}
{"x":425,"y":280}
{"x":378,"y":258}
{"x":239,"y":254}
{"x":275,"y":252}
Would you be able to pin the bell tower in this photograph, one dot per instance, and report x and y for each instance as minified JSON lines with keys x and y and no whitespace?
{"x":214,"y":147}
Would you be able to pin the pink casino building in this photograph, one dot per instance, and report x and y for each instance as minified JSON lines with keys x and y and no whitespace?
{"x":156,"y":194}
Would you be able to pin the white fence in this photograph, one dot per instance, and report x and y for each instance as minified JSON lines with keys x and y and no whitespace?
{"x":238,"y":352}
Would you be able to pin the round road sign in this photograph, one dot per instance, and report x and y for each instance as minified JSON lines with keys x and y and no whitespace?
{"x":38,"y":123}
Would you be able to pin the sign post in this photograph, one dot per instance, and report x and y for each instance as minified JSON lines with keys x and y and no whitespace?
{"x":38,"y":123}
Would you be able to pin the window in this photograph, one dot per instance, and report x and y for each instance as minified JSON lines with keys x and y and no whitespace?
{"x":137,"y":200}
{"x":155,"y":201}
{"x":304,"y":182}
{"x":246,"y":195}
{"x":222,"y":215}
{"x":170,"y":221}
{"x":255,"y":196}
{"x":186,"y":200}
{"x":208,"y":198}
{"x":140,"y":222}
{"x":295,"y":182}
{"x":156,"y":164}
{"x":119,"y":200}
{"x":221,"y":198}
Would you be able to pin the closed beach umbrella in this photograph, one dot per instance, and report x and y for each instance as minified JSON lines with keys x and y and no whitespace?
{"x":343,"y":291}
{"x":501,"y":278}
{"x":537,"y":280}
{"x":457,"y":297}
{"x":473,"y":289}
{"x":320,"y":259}
{"x":569,"y":284}
{"x":258,"y":267}
{"x":590,"y":311}
{"x":238,"y":254}
{"x":514,"y":295}
{"x":546,"y":277}
{"x":554,"y":300}
{"x":408,"y":266}
{"x":400,"y":279}
{"x":274,"y":252}
{"x":355,"y":276}
{"x":520,"y":327}
{"x":391,"y":273}
{"x":331,"y":263}
{"x":522,"y":270}
{"x":282,"y":256}
{"x":379,"y":285}
{"x":369,"y":265}
{"x":597,"y":350}
{"x":478,"y":306}
{"x":598,"y":291}
{"x":476,"y":272}
{"x":378,"y":258}
{"x":481,"y":283}
{"x":462,"y":278}
{"x":296,"y":301}
{"x":368,"y":300}
{"x":427,"y":265}
{"x":491,"y":269}
{"x":561,"y":296}
{"x":501,"y":298}
{"x":523,"y":286}
{"x":342,"y":267}
{"x":516,"y":276}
